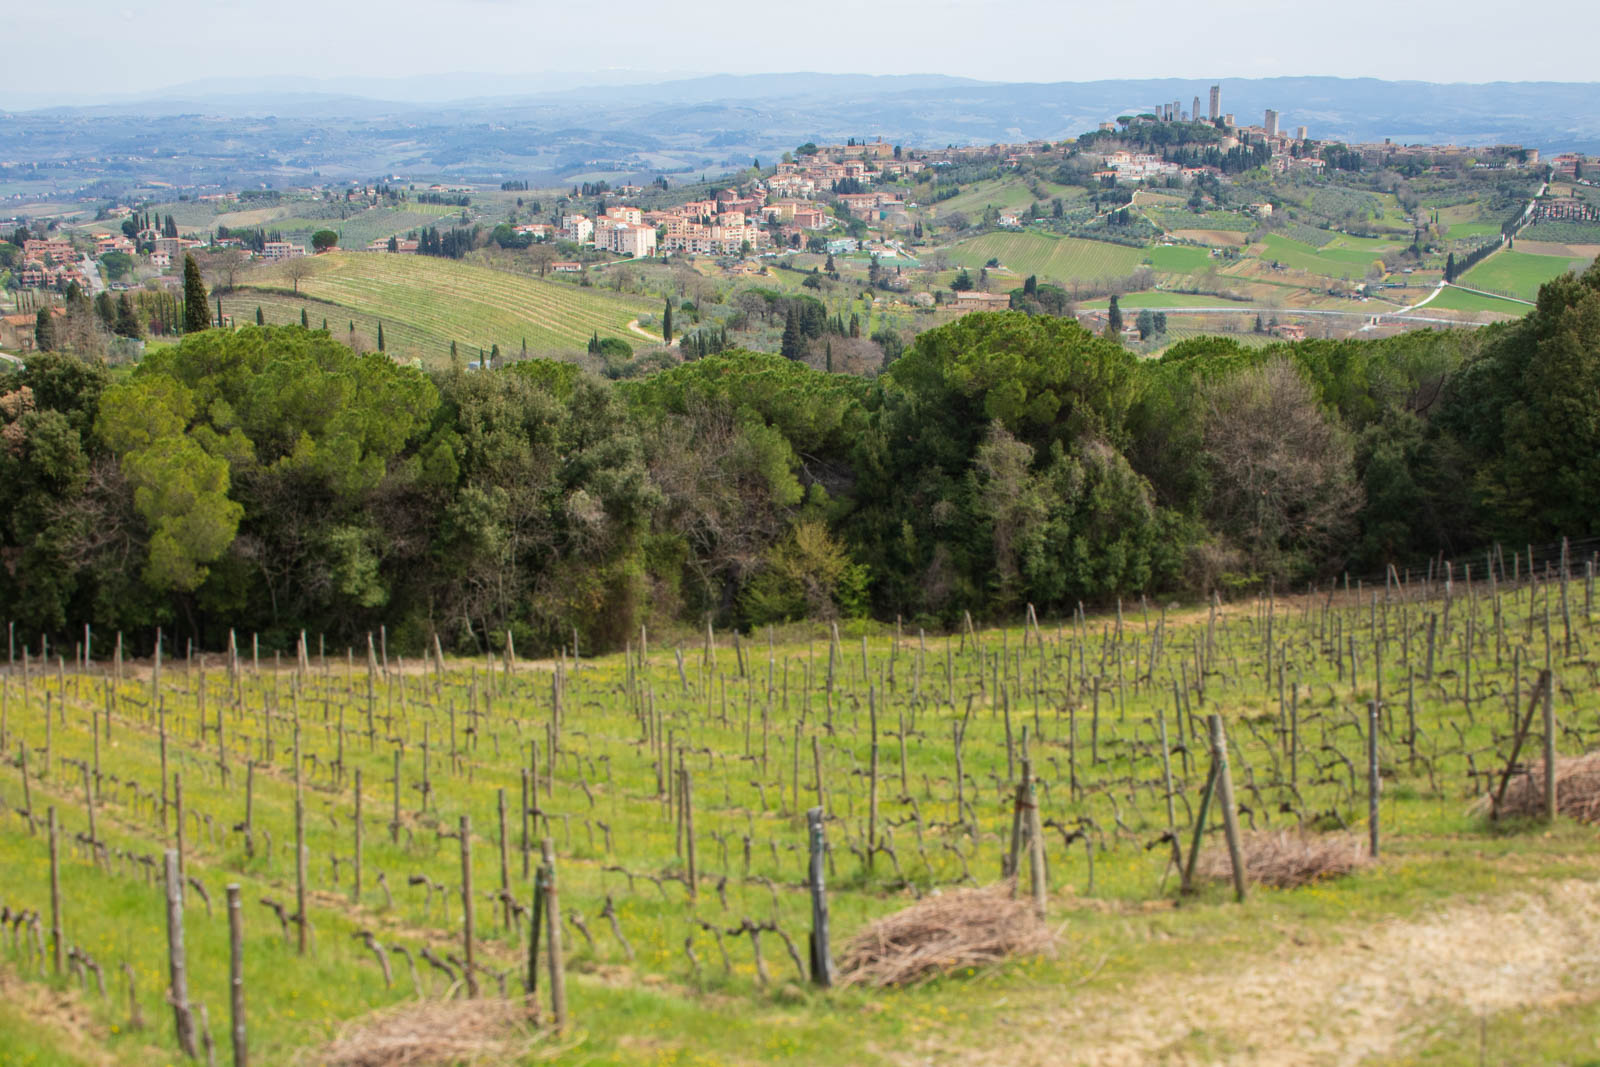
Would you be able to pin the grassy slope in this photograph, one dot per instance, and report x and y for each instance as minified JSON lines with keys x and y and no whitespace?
{"x":1517,"y":273}
{"x":1053,"y":259}
{"x":1453,"y":299}
{"x":427,"y":302}
{"x":1125,"y":945}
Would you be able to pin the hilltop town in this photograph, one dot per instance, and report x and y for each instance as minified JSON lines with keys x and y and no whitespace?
{"x":1205,"y":222}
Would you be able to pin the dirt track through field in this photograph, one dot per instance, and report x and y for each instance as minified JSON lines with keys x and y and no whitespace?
{"x":1336,"y":998}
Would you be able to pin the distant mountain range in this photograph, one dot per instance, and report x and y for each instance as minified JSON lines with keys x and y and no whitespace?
{"x":567,"y":126}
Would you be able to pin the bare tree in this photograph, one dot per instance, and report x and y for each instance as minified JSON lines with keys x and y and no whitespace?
{"x":1283,"y":482}
{"x":296,"y":269}
{"x":221,"y":269}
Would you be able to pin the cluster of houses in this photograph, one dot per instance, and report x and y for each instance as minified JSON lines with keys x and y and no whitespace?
{"x":56,"y":263}
{"x":52,"y":263}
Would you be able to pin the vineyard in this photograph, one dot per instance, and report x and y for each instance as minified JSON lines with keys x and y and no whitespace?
{"x":429,"y":302}
{"x":1059,"y":260}
{"x":345,"y":830}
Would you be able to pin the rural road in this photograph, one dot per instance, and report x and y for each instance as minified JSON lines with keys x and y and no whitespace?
{"x":642,"y":332}
{"x":91,"y":271}
{"x":1250,"y":310}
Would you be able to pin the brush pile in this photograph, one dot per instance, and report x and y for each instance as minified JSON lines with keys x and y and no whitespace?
{"x":1285,"y":859}
{"x":434,"y":1032}
{"x":1577,"y":790}
{"x":941,"y":934}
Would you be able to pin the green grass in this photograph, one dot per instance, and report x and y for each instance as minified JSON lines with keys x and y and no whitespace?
{"x":1011,"y":194}
{"x":1054,"y":259}
{"x":1453,"y":299}
{"x":1092,"y":724}
{"x":426,"y":302}
{"x":1180,"y":259}
{"x":1331,"y":261}
{"x":1161,"y":298}
{"x":1517,"y":273}
{"x":1473,"y":232}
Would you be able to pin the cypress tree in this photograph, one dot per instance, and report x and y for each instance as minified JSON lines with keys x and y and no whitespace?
{"x":380,"y":337}
{"x":44,"y":331}
{"x":260,"y":319}
{"x":305,"y":323}
{"x":1114,"y":316}
{"x":196,"y":316}
{"x":127,"y":324}
{"x":1450,"y":268}
{"x":791,"y":337}
{"x":324,"y":325}
{"x":666,"y":323}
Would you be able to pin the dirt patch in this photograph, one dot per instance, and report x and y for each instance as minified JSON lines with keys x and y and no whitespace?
{"x":1554,"y":248}
{"x":1234,"y":238}
{"x":62,"y":1012}
{"x":1363,"y":992}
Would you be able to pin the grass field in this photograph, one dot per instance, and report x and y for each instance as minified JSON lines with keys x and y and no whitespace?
{"x":1453,"y":299}
{"x":1054,"y":259}
{"x":1517,"y":273}
{"x":1330,"y":261}
{"x":1003,"y":196}
{"x":1458,"y":911}
{"x":426,"y":302}
{"x":1180,"y":259}
{"x":1161,"y":298}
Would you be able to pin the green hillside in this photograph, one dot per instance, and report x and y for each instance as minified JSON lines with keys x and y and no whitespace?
{"x":1518,"y":273}
{"x":425,"y":303}
{"x":1055,"y":259}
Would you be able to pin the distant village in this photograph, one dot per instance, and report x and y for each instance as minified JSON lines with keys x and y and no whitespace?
{"x":809,"y":199}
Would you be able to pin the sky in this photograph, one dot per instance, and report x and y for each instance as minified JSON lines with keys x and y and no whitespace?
{"x":92,"y":50}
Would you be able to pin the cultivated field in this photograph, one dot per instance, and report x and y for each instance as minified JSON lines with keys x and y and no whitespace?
{"x":1054,"y":259}
{"x":671,"y":782}
{"x":429,"y":302}
{"x":1518,"y":273}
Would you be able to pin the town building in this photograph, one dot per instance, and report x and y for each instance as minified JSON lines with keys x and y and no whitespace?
{"x":275,"y":251}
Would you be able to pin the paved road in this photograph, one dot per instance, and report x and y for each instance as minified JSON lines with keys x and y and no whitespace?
{"x":1302,"y":311}
{"x":91,"y":271}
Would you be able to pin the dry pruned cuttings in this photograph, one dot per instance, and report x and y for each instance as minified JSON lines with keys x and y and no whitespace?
{"x":434,"y":1032}
{"x":1577,"y":790}
{"x":941,"y":934}
{"x":1285,"y":859}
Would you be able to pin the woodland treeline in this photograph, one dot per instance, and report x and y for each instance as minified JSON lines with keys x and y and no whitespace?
{"x":271,"y":480}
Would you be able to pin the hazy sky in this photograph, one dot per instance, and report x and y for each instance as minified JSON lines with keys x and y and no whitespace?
{"x":90,"y":48}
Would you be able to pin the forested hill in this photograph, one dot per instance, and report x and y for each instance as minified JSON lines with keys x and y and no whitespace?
{"x":271,"y":480}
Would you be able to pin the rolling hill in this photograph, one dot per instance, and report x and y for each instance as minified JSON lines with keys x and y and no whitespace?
{"x":425,"y":303}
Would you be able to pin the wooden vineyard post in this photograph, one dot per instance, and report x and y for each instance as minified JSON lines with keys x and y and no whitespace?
{"x":394,"y":821}
{"x":300,"y":917}
{"x":177,"y":962}
{"x":552,"y":910}
{"x":1206,"y":793}
{"x":241,"y":1055}
{"x":466,"y":906}
{"x":1372,"y":778}
{"x":505,"y":859}
{"x":355,"y":890}
{"x":821,"y":961}
{"x":1550,"y":797}
{"x":1539,"y":688}
{"x":686,"y":794}
{"x":58,"y":947}
{"x":535,"y":924}
{"x":177,"y":810}
{"x":1038,"y":876}
{"x":1230,"y":816}
{"x":872,"y":785}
